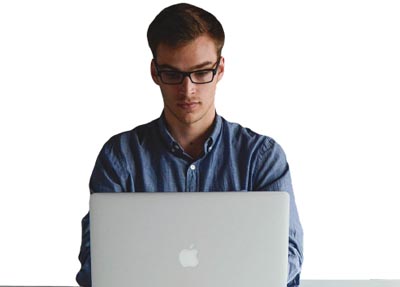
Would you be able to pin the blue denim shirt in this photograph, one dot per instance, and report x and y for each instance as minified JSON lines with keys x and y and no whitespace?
{"x":148,"y":159}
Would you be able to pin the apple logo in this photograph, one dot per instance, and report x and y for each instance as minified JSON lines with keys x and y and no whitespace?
{"x":189,"y":257}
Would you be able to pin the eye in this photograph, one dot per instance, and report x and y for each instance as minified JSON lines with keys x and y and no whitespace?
{"x":202,"y":75}
{"x":171,"y":75}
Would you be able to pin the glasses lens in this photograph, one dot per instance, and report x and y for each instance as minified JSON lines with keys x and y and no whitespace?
{"x":204,"y":76}
{"x":171,"y":77}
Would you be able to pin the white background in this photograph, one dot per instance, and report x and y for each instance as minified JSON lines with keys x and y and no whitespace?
{"x":321,"y":77}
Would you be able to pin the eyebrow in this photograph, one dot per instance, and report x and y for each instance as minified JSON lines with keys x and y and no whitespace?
{"x":196,"y":67}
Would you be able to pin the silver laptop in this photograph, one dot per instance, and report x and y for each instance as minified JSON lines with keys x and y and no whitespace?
{"x":196,"y":239}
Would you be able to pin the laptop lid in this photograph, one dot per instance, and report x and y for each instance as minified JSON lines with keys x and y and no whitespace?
{"x":201,"y":239}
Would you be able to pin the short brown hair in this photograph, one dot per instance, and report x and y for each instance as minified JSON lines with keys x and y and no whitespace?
{"x":181,"y":23}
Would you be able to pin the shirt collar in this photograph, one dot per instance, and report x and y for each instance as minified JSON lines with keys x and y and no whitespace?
{"x":174,"y":146}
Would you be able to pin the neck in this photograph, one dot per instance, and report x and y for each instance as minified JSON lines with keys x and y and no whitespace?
{"x":191,"y":136}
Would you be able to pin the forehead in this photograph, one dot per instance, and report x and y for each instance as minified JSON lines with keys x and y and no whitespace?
{"x":200,"y":50}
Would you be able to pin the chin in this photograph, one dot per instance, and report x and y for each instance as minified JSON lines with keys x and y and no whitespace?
{"x":189,"y":120}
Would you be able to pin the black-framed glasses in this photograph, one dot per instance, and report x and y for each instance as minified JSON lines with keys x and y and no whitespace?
{"x":174,"y":77}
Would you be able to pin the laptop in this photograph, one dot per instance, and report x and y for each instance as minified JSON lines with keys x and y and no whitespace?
{"x":193,"y":239}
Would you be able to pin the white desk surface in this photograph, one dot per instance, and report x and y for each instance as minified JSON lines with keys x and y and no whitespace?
{"x":350,"y":283}
{"x":311,"y":283}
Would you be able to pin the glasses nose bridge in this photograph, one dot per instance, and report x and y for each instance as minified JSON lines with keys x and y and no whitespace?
{"x":187,"y":74}
{"x":186,"y":83}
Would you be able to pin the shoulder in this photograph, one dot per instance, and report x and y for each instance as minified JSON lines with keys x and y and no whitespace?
{"x":245,"y":136}
{"x":121,"y":142}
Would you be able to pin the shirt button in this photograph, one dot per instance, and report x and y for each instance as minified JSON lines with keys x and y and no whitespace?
{"x":192,"y":167}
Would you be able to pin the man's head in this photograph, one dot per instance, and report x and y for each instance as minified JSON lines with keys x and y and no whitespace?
{"x":186,"y":42}
{"x":180,"y":24}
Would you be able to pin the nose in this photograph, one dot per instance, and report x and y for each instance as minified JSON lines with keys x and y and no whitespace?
{"x":187,"y":87}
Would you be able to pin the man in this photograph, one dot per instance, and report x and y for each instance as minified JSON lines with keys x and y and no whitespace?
{"x":190,"y":148}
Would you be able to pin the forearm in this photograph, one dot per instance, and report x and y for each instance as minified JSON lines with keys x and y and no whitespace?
{"x":84,"y":275}
{"x":295,"y":260}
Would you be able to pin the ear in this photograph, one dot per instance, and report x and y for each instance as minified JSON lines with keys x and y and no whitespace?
{"x":153,"y":72}
{"x":221,"y":69}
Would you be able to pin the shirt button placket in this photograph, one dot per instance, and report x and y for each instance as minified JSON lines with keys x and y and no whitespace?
{"x":191,"y":178}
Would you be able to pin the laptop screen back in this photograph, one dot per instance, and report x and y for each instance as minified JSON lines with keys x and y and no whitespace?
{"x":202,"y":239}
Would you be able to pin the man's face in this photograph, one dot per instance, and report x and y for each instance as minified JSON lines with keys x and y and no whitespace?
{"x":188,"y":103}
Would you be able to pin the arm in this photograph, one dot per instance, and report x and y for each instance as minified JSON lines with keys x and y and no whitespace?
{"x":84,"y":275}
{"x":106,"y":177}
{"x":273,"y":174}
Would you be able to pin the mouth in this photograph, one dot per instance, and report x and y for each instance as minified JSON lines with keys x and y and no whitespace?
{"x":188,"y":106}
